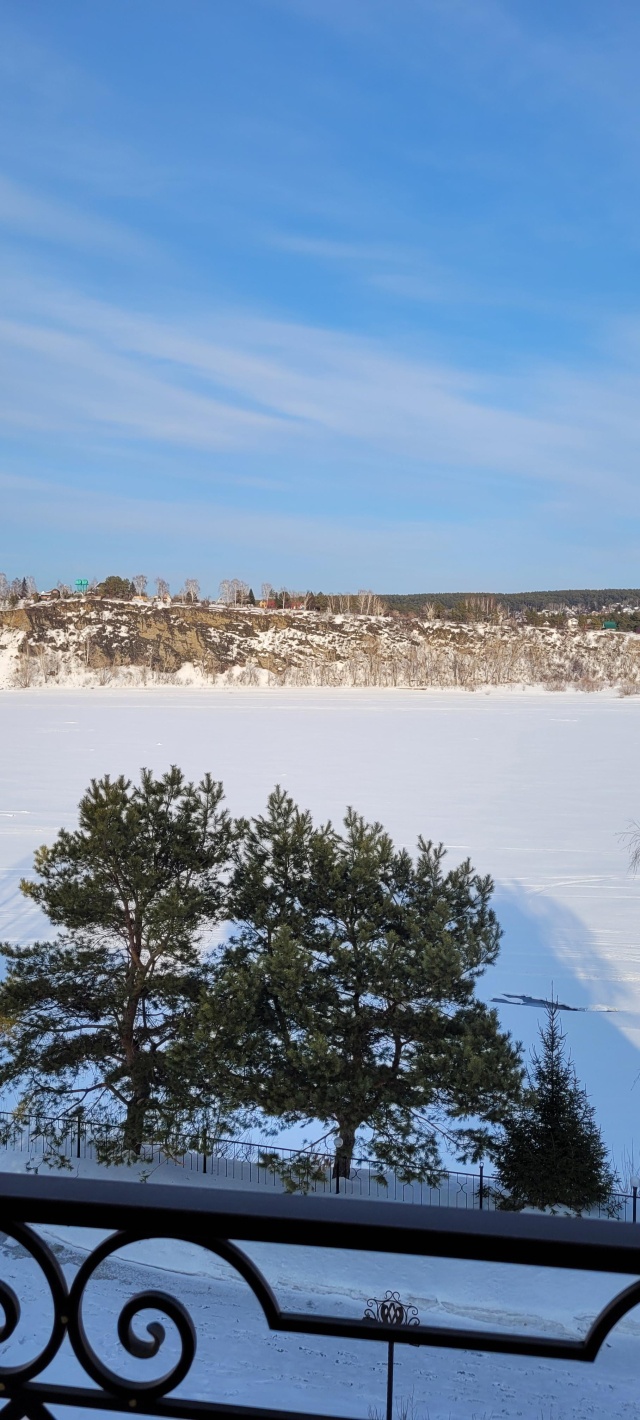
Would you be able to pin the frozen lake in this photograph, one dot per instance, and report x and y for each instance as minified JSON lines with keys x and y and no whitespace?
{"x":536,"y":788}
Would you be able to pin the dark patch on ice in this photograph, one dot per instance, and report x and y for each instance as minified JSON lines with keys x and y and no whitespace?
{"x":511,"y":999}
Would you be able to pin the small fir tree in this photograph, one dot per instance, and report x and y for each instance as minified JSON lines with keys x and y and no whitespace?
{"x":552,"y":1154}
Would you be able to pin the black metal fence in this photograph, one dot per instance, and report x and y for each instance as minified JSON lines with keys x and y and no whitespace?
{"x":249,"y":1165}
{"x":262,"y":1165}
{"x":131,"y":1213}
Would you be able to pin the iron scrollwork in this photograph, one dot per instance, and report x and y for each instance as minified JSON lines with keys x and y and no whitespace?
{"x":175,"y":1213}
{"x":391,"y":1311}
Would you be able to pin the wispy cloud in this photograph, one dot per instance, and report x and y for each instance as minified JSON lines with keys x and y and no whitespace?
{"x":231,"y":381}
{"x":390,"y":267}
{"x":239,"y":537}
{"x":369,"y":304}
{"x":99,"y":530}
{"x":329,"y":249}
{"x":50,"y":220}
{"x":590,"y":59}
{"x":246,"y":382}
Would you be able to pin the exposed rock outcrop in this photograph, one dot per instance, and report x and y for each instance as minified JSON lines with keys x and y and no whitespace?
{"x":89,"y":642}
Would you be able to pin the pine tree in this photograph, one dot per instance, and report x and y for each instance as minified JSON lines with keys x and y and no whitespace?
{"x":553,"y":1155}
{"x":117,"y":587}
{"x":92,"y":1014}
{"x":346,"y":995}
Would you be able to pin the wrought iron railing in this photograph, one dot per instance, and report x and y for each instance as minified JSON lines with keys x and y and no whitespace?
{"x":262,"y":1165}
{"x":224,"y":1223}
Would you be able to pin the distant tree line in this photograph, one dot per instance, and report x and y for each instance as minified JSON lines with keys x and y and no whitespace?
{"x":341,"y":994}
{"x":18,"y":590}
{"x":551,"y":608}
{"x":232,"y":592}
{"x":124,"y":588}
{"x":466,"y":606}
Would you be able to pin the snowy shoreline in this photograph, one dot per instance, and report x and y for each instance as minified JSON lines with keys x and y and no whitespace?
{"x":126,"y":684}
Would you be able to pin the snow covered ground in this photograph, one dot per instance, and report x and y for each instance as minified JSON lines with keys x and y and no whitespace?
{"x":536,"y":788}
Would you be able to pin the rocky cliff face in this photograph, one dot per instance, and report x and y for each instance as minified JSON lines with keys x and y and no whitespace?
{"x":110,"y":642}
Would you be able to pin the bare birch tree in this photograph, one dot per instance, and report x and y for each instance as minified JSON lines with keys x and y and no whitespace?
{"x":233,"y":592}
{"x":631,"y":838}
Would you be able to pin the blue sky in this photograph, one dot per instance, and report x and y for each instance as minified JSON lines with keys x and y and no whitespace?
{"x":334,"y":293}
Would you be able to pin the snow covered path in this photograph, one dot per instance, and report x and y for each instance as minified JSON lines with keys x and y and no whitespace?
{"x":536,"y":787}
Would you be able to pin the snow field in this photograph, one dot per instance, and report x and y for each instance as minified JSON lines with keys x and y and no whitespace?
{"x":536,"y":789}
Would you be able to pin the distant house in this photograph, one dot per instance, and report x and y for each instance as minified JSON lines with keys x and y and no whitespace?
{"x":609,"y":625}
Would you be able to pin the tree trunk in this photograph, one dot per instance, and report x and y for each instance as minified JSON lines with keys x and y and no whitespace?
{"x":134,"y":1125}
{"x":344,"y":1155}
{"x":139,"y":1099}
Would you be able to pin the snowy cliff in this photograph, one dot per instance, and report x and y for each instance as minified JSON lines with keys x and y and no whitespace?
{"x":99,"y":642}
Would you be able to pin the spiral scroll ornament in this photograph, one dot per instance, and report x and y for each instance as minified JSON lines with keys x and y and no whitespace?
{"x":54,"y":1278}
{"x":136,"y":1345}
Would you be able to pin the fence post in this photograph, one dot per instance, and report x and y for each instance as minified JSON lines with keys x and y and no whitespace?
{"x":79,"y":1135}
{"x":390,"y":1383}
{"x":481,"y":1189}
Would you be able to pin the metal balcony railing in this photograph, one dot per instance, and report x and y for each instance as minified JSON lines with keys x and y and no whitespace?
{"x":223,"y":1222}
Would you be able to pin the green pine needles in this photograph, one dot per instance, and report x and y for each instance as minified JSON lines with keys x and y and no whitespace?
{"x":340,"y":992}
{"x":346,"y":995}
{"x":90,"y":1017}
{"x":553,"y":1155}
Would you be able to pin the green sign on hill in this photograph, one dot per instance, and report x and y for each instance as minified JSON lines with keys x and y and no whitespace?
{"x":82,"y":584}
